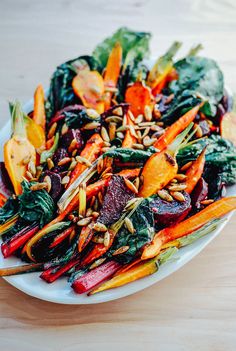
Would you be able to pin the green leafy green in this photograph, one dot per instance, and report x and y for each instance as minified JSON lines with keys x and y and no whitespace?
{"x":9,"y":210}
{"x":126,"y":155}
{"x":77,"y":119}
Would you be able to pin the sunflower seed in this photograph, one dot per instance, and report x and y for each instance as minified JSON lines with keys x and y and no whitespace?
{"x":160,"y":124}
{"x":112,"y":130}
{"x":147,"y":113}
{"x":64,"y":161}
{"x":39,"y":170}
{"x":106,"y":144}
{"x":207,"y":202}
{"x":118,"y":111}
{"x":38,"y":186}
{"x":105,"y":135}
{"x":47,"y":180}
{"x":92,"y":113}
{"x":198,"y":130}
{"x":73,"y":145}
{"x":29,"y":175}
{"x":97,"y":263}
{"x":131,"y":116}
{"x":180,"y":177}
{"x":177,"y":187}
{"x":124,"y":122}
{"x":52,"y":130}
{"x":156,"y":128}
{"x":131,"y":204}
{"x":99,"y":227}
{"x":122,"y":129}
{"x":114,"y":119}
{"x":82,"y":199}
{"x":129,"y":225}
{"x":83,"y":160}
{"x":110,"y":89}
{"x":98,"y":240}
{"x":120,"y":135}
{"x":148,"y":141}
{"x":89,"y":212}
{"x":84,"y":221}
{"x":106,"y":241}
{"x":139,"y":119}
{"x":138,"y":146}
{"x":177,"y":196}
{"x":130,"y":186}
{"x":121,"y":250}
{"x":186,"y":166}
{"x":146,"y":124}
{"x":65,"y":180}
{"x":132,"y":131}
{"x":32,"y":168}
{"x":72,"y":165}
{"x":163,"y":194}
{"x":91,"y":125}
{"x":64,"y":129}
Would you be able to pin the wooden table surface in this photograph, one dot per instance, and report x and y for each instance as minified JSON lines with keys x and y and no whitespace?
{"x":194,"y":309}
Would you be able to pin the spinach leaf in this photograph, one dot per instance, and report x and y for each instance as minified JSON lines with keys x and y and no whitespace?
{"x":9,"y":209}
{"x":202,"y":76}
{"x":78,"y":118}
{"x":125,"y":155}
{"x":61,"y":93}
{"x":143,"y":222}
{"x":135,"y":46}
{"x":220,"y":154}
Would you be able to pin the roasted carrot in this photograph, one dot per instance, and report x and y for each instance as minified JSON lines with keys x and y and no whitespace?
{"x":211,"y":212}
{"x":39,"y":115}
{"x":176,"y":128}
{"x":18,"y":149}
{"x":128,"y":266}
{"x":90,"y":152}
{"x":139,"y":96}
{"x":85,"y":237}
{"x":129,"y":138}
{"x":26,"y":268}
{"x":49,"y":143}
{"x":3,"y":199}
{"x":195,"y":171}
{"x":89,"y":87}
{"x":112,"y":73}
{"x":35,"y":133}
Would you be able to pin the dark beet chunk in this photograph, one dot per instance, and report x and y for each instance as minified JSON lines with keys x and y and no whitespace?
{"x":5,"y":182}
{"x":167,"y":213}
{"x":69,"y":136}
{"x":57,"y":157}
{"x":56,"y":187}
{"x":115,"y":200}
{"x":204,"y":127}
{"x":199,"y":193}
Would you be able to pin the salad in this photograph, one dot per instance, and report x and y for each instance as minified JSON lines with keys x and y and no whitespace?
{"x":119,"y":165}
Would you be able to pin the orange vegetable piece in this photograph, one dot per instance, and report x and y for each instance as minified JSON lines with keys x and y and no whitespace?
{"x":39,"y":115}
{"x":85,"y":237}
{"x":138,"y":96}
{"x":129,"y":138}
{"x":195,"y":171}
{"x":212,"y":211}
{"x":157,"y":172}
{"x":228,"y":126}
{"x":35,"y":133}
{"x":3,"y":200}
{"x":89,"y":87}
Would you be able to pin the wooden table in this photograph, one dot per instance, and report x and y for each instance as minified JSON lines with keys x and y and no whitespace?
{"x":194,"y":309}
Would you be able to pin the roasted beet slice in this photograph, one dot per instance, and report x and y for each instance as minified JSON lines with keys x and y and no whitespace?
{"x":69,"y":136}
{"x":115,"y":200}
{"x":199,"y":193}
{"x":57,"y":157}
{"x":5,"y":183}
{"x":56,"y":187}
{"x":110,"y":112}
{"x":167,"y":213}
{"x":60,"y":115}
{"x":204,"y":127}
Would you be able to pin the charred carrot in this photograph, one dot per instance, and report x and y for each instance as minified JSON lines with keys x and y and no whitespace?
{"x":211,"y":212}
{"x":39,"y":115}
{"x":129,"y":138}
{"x":95,"y":277}
{"x":195,"y":171}
{"x":90,"y":152}
{"x":138,"y":96}
{"x":85,"y":237}
{"x":26,"y":268}
{"x":176,"y":128}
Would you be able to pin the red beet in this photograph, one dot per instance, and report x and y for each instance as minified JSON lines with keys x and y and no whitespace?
{"x":199,"y":193}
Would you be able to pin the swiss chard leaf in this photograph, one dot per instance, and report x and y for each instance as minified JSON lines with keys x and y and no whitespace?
{"x":126,"y":155}
{"x":77,"y":119}
{"x":9,"y":209}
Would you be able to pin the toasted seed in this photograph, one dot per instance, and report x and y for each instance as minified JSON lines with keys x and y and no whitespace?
{"x":147,"y":113}
{"x":100,"y":197}
{"x":132,"y":131}
{"x":39,"y":170}
{"x":106,"y":240}
{"x":99,"y":227}
{"x":97,"y":263}
{"x":131,"y":204}
{"x":163,"y":194}
{"x":131,"y":116}
{"x":89,"y":212}
{"x":129,"y":225}
{"x":73,"y":145}
{"x":114,"y":119}
{"x":82,"y":199}
{"x":146,"y":124}
{"x":32,"y":168}
{"x":98,"y":240}
{"x":50,"y":163}
{"x":105,"y":135}
{"x":118,"y":111}
{"x":72,"y":165}
{"x":122,"y":128}
{"x":177,"y":187}
{"x":112,"y":130}
{"x":91,"y":125}
{"x":139,"y":119}
{"x":110,"y":89}
{"x":137,"y":182}
{"x":124,"y":122}
{"x":29,"y":175}
{"x":148,"y":141}
{"x":47,"y":180}
{"x":92,"y":113}
{"x":84,"y":221}
{"x":120,"y":135}
{"x":95,"y":214}
{"x":156,"y":128}
{"x":121,"y":250}
{"x":64,"y":161}
{"x":160,"y":124}
{"x":130,"y":186}
{"x":177,"y":196}
{"x":180,"y":177}
{"x":138,"y":146}
{"x":106,"y":144}
{"x":139,"y":135}
{"x":207,"y":202}
{"x":186,"y":166}
{"x":64,"y":129}
{"x":38,"y":186}
{"x":65,"y":180}
{"x":173,"y":181}
{"x":83,"y":160}
{"x":146,"y":131}
{"x":52,"y":130}
{"x":198,"y":130}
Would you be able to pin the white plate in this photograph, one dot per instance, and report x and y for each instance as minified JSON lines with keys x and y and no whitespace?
{"x":61,"y":292}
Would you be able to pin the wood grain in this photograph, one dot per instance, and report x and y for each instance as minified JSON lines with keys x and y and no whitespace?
{"x":194,"y":309}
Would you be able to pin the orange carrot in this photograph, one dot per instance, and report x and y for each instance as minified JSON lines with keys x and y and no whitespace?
{"x":85,"y":237}
{"x":3,"y":199}
{"x":176,"y":128}
{"x":49,"y":143}
{"x":90,"y":152}
{"x":195,"y":171}
{"x":39,"y":115}
{"x":129,"y":138}
{"x":138,"y":96}
{"x":211,"y":212}
{"x":112,"y":72}
{"x":168,"y":77}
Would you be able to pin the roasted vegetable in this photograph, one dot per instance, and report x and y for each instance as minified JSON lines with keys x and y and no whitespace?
{"x":139,"y":97}
{"x":39,"y":114}
{"x":195,"y":172}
